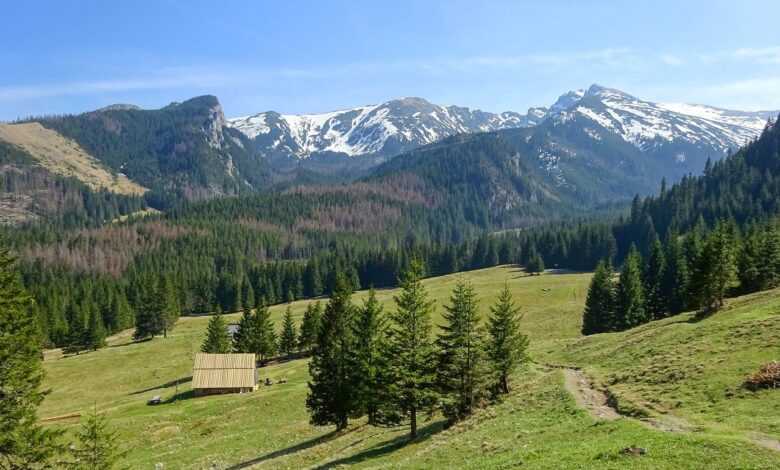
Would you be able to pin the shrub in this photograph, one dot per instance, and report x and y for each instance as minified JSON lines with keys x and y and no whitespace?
{"x":766,"y":377}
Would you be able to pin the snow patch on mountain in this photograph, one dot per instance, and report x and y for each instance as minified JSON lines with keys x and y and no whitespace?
{"x":390,"y":127}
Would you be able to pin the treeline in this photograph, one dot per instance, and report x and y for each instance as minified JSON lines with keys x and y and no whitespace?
{"x":63,"y":203}
{"x":696,"y":271}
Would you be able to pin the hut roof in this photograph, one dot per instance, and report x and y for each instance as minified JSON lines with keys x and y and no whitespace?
{"x":224,"y":371}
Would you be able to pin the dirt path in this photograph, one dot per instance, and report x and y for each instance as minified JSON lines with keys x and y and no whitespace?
{"x":595,"y":401}
{"x":597,"y":404}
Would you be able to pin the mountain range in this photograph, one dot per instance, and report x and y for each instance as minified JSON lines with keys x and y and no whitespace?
{"x":589,"y":147}
{"x":396,"y":126}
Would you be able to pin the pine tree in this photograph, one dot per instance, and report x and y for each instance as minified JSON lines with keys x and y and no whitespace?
{"x":289,"y":336}
{"x":98,"y":445}
{"x":242,"y":338}
{"x":717,"y":265}
{"x":535,"y":264}
{"x":769,"y":269}
{"x":263,"y":342}
{"x":148,"y":322}
{"x":409,"y":354}
{"x":309,"y":327}
{"x":599,"y":314}
{"x":167,"y":306}
{"x":653,"y":276}
{"x":23,"y":443}
{"x":217,"y":338}
{"x":630,"y":310}
{"x":461,"y":373}
{"x":506,"y":346}
{"x":96,"y":333}
{"x":332,"y":397}
{"x":368,"y":331}
{"x":676,"y":276}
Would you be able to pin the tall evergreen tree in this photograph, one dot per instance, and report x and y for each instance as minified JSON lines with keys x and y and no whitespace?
{"x":630,"y":310}
{"x":332,"y":398}
{"x":676,"y":275}
{"x":506,"y":347}
{"x":368,"y":331}
{"x":167,"y":305}
{"x":23,"y":443}
{"x":98,"y":446}
{"x":655,"y":302}
{"x":242,"y":338}
{"x":717,"y":265}
{"x":217,"y":338}
{"x":263,"y":341}
{"x":96,"y":332}
{"x":535,"y":263}
{"x":310,"y":325}
{"x":288,"y":339}
{"x":409,"y":354}
{"x":599,"y":314}
{"x":461,"y":373}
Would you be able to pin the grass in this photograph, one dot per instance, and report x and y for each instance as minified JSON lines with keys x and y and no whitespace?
{"x":537,"y":426}
{"x":692,"y":368}
{"x":65,"y":157}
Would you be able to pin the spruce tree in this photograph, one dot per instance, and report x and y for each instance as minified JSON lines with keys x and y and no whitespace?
{"x":409,"y":354}
{"x":217,"y":338}
{"x":461,"y":373}
{"x":288,"y":338}
{"x":630,"y":310}
{"x":676,"y":276}
{"x":148,"y":321}
{"x":96,"y":332}
{"x":263,"y":342}
{"x":23,"y":443}
{"x":368,"y":331}
{"x":332,"y":397}
{"x":309,"y":327}
{"x":769,"y":269}
{"x":535,"y":264}
{"x":653,"y":277}
{"x":167,"y":306}
{"x":98,"y":445}
{"x":717,"y":265}
{"x":242,"y":339}
{"x":599,"y":314}
{"x":506,"y":346}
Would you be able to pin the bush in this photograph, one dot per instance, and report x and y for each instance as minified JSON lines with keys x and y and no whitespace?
{"x":766,"y":377}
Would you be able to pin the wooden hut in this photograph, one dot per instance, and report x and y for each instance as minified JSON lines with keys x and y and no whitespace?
{"x":224,"y":373}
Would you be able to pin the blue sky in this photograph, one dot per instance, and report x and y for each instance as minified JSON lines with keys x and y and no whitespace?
{"x":301,"y":56}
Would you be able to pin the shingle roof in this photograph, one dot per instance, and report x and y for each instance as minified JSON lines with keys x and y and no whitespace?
{"x":224,"y":371}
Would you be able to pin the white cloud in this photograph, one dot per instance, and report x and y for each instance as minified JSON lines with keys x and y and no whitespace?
{"x":763,"y":55}
{"x":671,"y":59}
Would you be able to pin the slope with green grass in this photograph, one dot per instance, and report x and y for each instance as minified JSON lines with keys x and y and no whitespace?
{"x":538,"y":426}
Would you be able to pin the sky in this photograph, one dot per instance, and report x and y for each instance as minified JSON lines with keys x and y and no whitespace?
{"x":68,"y":56}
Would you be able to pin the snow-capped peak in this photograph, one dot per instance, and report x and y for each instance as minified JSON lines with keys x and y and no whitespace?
{"x":385,"y":129}
{"x":646,"y":124}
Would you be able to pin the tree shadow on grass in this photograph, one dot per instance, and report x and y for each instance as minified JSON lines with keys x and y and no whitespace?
{"x":386,"y":447}
{"x":172,"y":383}
{"x":290,"y":450}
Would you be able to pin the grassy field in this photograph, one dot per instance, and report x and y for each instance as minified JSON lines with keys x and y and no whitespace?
{"x":537,"y":426}
{"x":65,"y":157}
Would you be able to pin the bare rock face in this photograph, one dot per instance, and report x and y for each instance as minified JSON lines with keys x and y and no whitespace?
{"x":214,"y":125}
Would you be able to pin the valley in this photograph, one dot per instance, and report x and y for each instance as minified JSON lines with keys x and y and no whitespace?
{"x":538,"y":424}
{"x":407,"y":235}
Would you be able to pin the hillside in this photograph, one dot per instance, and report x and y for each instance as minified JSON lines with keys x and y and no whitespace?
{"x":66,"y":158}
{"x":538,"y":426}
{"x":183,"y":151}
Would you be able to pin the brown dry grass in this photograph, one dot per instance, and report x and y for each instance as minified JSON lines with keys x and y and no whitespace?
{"x":65,"y":157}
